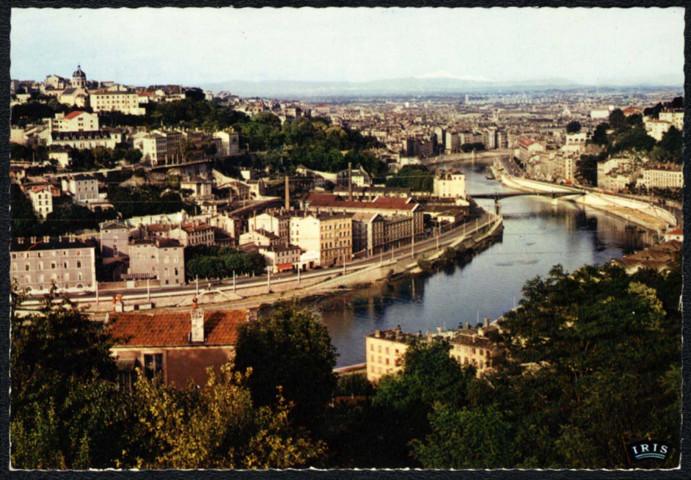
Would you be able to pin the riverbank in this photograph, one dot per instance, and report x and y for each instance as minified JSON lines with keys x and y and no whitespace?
{"x":320,"y":282}
{"x":641,"y":213}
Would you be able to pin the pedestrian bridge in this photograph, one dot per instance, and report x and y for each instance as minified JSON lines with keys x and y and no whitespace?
{"x":501,"y":195}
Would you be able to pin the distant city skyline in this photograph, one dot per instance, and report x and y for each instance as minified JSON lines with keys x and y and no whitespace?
{"x":205,"y":46}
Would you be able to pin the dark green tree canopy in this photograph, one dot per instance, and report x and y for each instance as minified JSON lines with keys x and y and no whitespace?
{"x":291,"y":349}
{"x":573,"y":127}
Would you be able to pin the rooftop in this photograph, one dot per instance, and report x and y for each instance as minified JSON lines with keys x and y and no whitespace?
{"x":172,"y":329}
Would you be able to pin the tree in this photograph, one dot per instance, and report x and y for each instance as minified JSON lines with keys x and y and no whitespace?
{"x":467,"y":438}
{"x":599,"y":345}
{"x":617,"y":119}
{"x":66,"y":410}
{"x":415,"y":177}
{"x":290,"y":348}
{"x":600,"y":134}
{"x":573,"y":127}
{"x":216,"y":426}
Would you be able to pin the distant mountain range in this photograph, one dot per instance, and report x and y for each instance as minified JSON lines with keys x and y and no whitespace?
{"x":433,"y":85}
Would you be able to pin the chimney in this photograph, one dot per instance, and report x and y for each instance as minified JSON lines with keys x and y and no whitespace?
{"x":287,"y":193}
{"x":350,"y":181}
{"x":486,"y":321}
{"x":119,"y":304}
{"x":377,"y":333}
{"x":115,"y":302}
{"x":197,"y":319}
{"x":467,"y":325}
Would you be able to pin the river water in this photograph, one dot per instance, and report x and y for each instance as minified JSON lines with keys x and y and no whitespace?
{"x":538,"y":233}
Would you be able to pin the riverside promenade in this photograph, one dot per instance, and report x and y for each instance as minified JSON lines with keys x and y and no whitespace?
{"x":253,"y":291}
{"x":643,"y":214}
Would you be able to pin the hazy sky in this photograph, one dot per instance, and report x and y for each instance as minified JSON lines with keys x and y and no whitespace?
{"x":194,"y":46}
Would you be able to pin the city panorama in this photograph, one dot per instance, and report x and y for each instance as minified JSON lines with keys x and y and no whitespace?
{"x":346,"y":238}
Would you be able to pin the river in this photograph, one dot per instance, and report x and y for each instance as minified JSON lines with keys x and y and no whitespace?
{"x":538,"y":233}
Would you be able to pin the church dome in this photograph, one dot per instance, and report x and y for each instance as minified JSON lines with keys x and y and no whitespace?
{"x":79,"y":73}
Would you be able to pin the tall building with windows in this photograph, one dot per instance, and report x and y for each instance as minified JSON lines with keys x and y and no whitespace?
{"x":36,"y":263}
{"x":161,"y":259}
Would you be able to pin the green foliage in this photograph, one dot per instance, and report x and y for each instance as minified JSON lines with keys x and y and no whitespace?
{"x":355,"y":384}
{"x":144,"y":200}
{"x":586,"y":168}
{"x":35,"y":111}
{"x":220,"y":262}
{"x":468,"y":438}
{"x":216,"y":426}
{"x":27,"y":153}
{"x":600,"y":134}
{"x":66,"y":410}
{"x":617,"y":119}
{"x":573,"y":127}
{"x":601,"y":344}
{"x":415,"y":177}
{"x":469,"y":147}
{"x":634,"y":139}
{"x":291,"y":349}
{"x":68,"y":413}
{"x":670,"y":147}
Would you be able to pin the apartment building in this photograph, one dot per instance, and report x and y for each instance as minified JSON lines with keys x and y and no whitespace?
{"x":114,"y":239}
{"x":116,"y":101}
{"x":193,"y":234}
{"x":329,"y":235}
{"x":402,"y":216}
{"x":36,"y":263}
{"x":663,"y":176}
{"x":77,"y":121}
{"x":41,"y":200}
{"x":160,"y":258}
{"x":385,"y":349}
{"x":368,"y":233}
{"x":274,"y":221}
{"x":449,"y":184}
{"x":230,"y":143}
{"x":83,"y":188}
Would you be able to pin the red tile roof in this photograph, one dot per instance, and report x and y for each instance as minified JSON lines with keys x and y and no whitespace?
{"x":381,"y":203}
{"x":526,"y":141}
{"x":74,"y":114}
{"x":172,"y":329}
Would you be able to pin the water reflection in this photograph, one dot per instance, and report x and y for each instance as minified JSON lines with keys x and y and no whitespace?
{"x":538,"y":233}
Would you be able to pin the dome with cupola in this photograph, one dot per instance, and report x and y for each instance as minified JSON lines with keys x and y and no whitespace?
{"x":79,"y":73}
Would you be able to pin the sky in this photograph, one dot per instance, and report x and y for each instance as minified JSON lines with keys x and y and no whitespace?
{"x":206,"y":45}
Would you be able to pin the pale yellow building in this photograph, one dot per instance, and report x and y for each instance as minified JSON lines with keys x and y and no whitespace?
{"x":469,"y":346}
{"x":330,"y":235}
{"x":115,"y":101}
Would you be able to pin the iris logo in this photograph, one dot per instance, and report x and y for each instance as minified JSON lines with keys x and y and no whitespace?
{"x":643,"y":450}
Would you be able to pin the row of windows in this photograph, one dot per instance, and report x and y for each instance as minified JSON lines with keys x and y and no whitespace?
{"x":386,"y":349}
{"x":40,"y":254}
{"x":53,"y":265}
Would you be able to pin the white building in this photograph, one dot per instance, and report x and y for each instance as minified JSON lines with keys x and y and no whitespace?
{"x":116,"y":101}
{"x":230,"y":143}
{"x":657,"y":128}
{"x":449,"y":184}
{"x":84,"y":189}
{"x":76,"y":121}
{"x":674,"y":117}
{"x":663,"y":176}
{"x":41,"y":200}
